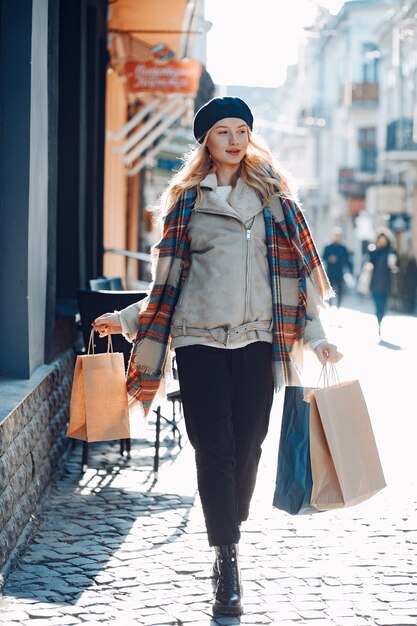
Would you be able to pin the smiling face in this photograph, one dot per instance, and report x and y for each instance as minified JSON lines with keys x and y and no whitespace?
{"x":227,"y":142}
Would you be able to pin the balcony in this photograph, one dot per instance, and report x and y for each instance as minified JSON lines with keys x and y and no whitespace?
{"x":314,"y":116}
{"x":360,"y":95}
{"x":350,"y":185}
{"x":400,"y":136}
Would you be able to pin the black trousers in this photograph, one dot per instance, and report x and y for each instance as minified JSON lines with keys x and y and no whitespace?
{"x":381,"y":301}
{"x":339,"y":289}
{"x":227,"y":398}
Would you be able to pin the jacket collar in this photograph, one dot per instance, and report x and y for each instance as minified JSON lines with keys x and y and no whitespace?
{"x":244,"y":200}
{"x":209,"y":182}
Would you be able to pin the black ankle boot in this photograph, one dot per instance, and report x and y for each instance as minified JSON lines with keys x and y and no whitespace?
{"x":215,"y":571}
{"x":227,"y":599}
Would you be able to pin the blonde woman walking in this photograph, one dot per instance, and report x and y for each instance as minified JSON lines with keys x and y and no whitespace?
{"x":237,"y":288}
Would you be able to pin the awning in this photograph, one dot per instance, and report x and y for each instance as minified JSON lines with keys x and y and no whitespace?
{"x":145,"y":139}
{"x":134,"y":28}
{"x":155,"y":21}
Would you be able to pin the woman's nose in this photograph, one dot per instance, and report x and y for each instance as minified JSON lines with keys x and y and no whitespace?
{"x":233,"y":138}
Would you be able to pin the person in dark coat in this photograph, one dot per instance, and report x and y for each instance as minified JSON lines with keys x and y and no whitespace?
{"x":410,"y":285}
{"x":383,"y":259}
{"x":337,"y":259}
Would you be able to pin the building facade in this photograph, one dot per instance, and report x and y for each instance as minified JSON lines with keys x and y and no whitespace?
{"x":66,"y":196}
{"x":397,"y":124}
{"x":333,"y":98}
{"x":142,"y":125}
{"x":51,"y":170}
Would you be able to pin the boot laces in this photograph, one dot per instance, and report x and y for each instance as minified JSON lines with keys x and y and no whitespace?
{"x":228,"y":576}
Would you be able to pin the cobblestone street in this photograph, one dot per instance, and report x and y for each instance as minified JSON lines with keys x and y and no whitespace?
{"x":113,"y":547}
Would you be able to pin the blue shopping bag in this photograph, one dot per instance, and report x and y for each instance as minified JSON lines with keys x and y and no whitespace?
{"x":294,"y":481}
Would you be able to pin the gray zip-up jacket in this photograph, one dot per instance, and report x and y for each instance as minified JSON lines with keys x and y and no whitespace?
{"x":226,"y":300}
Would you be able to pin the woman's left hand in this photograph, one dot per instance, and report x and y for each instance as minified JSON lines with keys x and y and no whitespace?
{"x":328,"y":353}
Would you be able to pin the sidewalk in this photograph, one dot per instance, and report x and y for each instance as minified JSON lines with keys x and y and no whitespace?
{"x":114,"y":548}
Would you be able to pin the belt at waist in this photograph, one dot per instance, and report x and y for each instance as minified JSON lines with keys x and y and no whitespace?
{"x":220,"y":334}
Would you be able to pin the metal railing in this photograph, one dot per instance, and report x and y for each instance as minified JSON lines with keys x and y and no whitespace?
{"x":132,"y":258}
{"x":401,"y":135}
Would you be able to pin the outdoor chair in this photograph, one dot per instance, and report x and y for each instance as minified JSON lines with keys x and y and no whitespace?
{"x":91,"y":304}
{"x":113,"y":284}
{"x":99,"y":283}
{"x":174,"y":396}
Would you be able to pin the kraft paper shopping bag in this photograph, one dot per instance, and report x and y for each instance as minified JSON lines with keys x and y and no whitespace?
{"x":326,"y":486}
{"x":345,"y":463}
{"x":99,"y":407}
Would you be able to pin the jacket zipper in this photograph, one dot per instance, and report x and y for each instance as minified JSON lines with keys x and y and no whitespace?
{"x":247,"y":235}
{"x":248,"y":269}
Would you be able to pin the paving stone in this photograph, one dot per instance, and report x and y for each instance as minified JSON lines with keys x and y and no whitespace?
{"x":91,"y":620}
{"x":353,"y":621}
{"x":38,"y":570}
{"x":82,"y":561}
{"x":394,"y":620}
{"x":409,"y":607}
{"x":38,"y":622}
{"x":200,"y":622}
{"x":321,"y":622}
{"x":284,"y":615}
{"x":101,"y":609}
{"x":71,"y":610}
{"x":13,"y":616}
{"x":308,"y":605}
{"x":66,"y":620}
{"x":282,"y":620}
{"x":41,"y":613}
{"x":256,"y":619}
{"x":310,"y":615}
{"x":339,"y":612}
{"x":159,"y":620}
{"x":128,"y":554}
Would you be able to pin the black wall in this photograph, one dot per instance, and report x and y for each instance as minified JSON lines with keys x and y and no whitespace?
{"x":81,"y":126}
{"x":52,"y":111}
{"x":15,"y":149}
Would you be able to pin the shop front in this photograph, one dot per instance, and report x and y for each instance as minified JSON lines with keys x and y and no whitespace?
{"x":75,"y":143}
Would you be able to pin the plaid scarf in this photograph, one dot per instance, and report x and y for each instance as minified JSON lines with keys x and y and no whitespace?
{"x":292,"y":256}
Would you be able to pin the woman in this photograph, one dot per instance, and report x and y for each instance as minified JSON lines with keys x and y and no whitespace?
{"x":236,"y":289}
{"x":383,"y":261}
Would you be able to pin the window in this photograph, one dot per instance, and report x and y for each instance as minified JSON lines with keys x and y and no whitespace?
{"x":370,"y":66}
{"x":367,"y":137}
{"x":367,"y":149}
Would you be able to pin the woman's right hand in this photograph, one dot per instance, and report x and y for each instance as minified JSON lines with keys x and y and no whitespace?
{"x":107,"y":324}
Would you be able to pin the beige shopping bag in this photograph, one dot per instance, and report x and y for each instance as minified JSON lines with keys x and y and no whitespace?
{"x":345,"y":464}
{"x":98,"y":409}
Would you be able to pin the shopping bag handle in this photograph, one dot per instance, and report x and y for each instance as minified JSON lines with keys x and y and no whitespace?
{"x":90,"y":349}
{"x":329,"y":374}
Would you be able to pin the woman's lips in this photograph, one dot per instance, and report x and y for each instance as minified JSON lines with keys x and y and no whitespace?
{"x":233,"y":151}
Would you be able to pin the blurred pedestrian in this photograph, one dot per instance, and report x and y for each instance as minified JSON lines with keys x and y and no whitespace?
{"x":410,"y":285}
{"x":337,"y":259}
{"x":236,"y":292}
{"x":383,"y":260}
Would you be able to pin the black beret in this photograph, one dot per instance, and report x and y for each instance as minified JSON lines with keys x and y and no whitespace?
{"x":217,"y":109}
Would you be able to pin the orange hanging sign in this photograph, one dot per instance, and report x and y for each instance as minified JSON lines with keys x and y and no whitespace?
{"x":173,"y":76}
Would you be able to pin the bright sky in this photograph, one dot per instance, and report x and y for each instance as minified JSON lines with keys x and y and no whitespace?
{"x":252,"y":42}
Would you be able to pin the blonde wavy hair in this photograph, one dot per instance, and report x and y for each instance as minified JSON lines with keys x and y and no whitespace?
{"x":258,"y":169}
